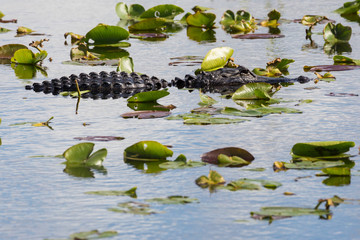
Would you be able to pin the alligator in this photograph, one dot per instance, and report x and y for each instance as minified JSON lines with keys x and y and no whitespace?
{"x":121,"y":84}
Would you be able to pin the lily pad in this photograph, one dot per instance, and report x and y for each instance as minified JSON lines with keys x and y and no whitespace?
{"x":174,"y":200}
{"x":321,"y":149}
{"x":338,"y":59}
{"x":134,"y":208}
{"x":7,"y":51}
{"x":94,"y":234}
{"x":147,"y":151}
{"x":26,"y":56}
{"x":337,"y":33}
{"x":206,"y":100}
{"x":216,"y":58}
{"x":189,"y":116}
{"x":242,"y":21}
{"x":212,"y":180}
{"x":257,"y":36}
{"x":337,"y":171}
{"x":200,"y":35}
{"x":278,"y":166}
{"x":242,"y":113}
{"x":349,"y":8}
{"x":100,"y":138}
{"x":129,"y":12}
{"x":80,"y":154}
{"x":201,"y":19}
{"x":162,"y":11}
{"x":212,"y":121}
{"x":148,"y":24}
{"x":213,"y":156}
{"x":131,"y":193}
{"x":274,"y":213}
{"x":106,"y":34}
{"x":146,"y":114}
{"x":181,"y":163}
{"x":254,"y":91}
{"x":150,"y":96}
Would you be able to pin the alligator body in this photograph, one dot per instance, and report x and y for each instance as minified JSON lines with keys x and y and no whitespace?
{"x":121,"y":84}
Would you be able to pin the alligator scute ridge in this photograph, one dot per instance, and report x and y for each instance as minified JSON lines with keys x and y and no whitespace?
{"x":121,"y":84}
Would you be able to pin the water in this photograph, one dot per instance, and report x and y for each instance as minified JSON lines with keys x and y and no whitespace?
{"x":38,"y":200}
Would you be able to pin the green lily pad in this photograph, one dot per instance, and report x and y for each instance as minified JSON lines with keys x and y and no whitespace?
{"x":129,"y":12}
{"x":337,"y":171}
{"x":336,"y":33}
{"x":238,"y":156}
{"x":206,"y":100}
{"x":212,"y":121}
{"x":242,"y":184}
{"x":7,"y":51}
{"x":254,"y":91}
{"x":150,"y":96}
{"x":242,"y":113}
{"x":189,"y":116}
{"x":231,"y":161}
{"x":162,"y":11}
{"x":216,"y":58}
{"x":134,"y":208}
{"x":147,"y":151}
{"x":213,"y":179}
{"x":174,"y":200}
{"x":94,"y":234}
{"x":106,"y":34}
{"x":349,"y":8}
{"x":181,"y":163}
{"x":80,"y":154}
{"x":131,"y":193}
{"x":201,"y":19}
{"x":339,"y":59}
{"x":26,"y":56}
{"x":148,"y":24}
{"x":126,"y":64}
{"x":273,"y":213}
{"x":307,"y":165}
{"x":276,"y":110}
{"x":321,"y":149}
{"x":200,"y":35}
{"x":241,"y":22}
{"x":24,"y":30}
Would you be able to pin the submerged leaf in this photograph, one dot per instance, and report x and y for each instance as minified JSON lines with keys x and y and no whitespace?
{"x":174,"y":200}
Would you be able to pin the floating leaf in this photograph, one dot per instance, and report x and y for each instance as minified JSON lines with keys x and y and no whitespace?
{"x":216,"y":58}
{"x":231,"y":161}
{"x":242,"y":113}
{"x":206,"y":100}
{"x":212,"y":180}
{"x":148,"y":24}
{"x":257,"y":36}
{"x":24,"y":30}
{"x":211,"y":121}
{"x":201,"y":19}
{"x":273,"y":213}
{"x":242,"y":184}
{"x":349,"y":8}
{"x":147,"y":151}
{"x":126,"y":64}
{"x":131,"y":193}
{"x":189,"y":116}
{"x":213,"y":156}
{"x":146,"y":114}
{"x":7,"y":51}
{"x":321,"y":149}
{"x":306,"y":165}
{"x":332,"y":94}
{"x":339,"y":59}
{"x":94,"y":234}
{"x":181,"y":164}
{"x":150,"y":96}
{"x":253,"y":91}
{"x":276,"y":110}
{"x":320,"y":68}
{"x":106,"y":34}
{"x":174,"y":200}
{"x":327,"y":77}
{"x":134,"y":208}
{"x":200,"y":35}
{"x":100,"y":138}
{"x":337,"y":33}
{"x":241,"y":22}
{"x":131,"y":12}
{"x":337,"y":171}
{"x":80,"y":154}
{"x":162,"y":11}
{"x":26,"y":56}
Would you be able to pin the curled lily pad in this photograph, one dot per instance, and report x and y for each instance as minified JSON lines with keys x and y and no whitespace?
{"x":126,"y":64}
{"x":337,"y":33}
{"x":26,"y":56}
{"x":174,"y":200}
{"x":150,"y":96}
{"x":212,"y":180}
{"x":216,"y":58}
{"x":349,"y":8}
{"x":321,"y":149}
{"x":201,"y":19}
{"x":106,"y":34}
{"x":80,"y":154}
{"x":131,"y":193}
{"x":213,"y":156}
{"x":242,"y":21}
{"x":252,"y":91}
{"x":129,"y":12}
{"x":147,"y":151}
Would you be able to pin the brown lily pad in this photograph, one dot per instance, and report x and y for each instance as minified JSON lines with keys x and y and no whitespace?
{"x":329,"y":68}
{"x":257,"y":36}
{"x":99,"y":138}
{"x":212,"y":156}
{"x":146,"y":114}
